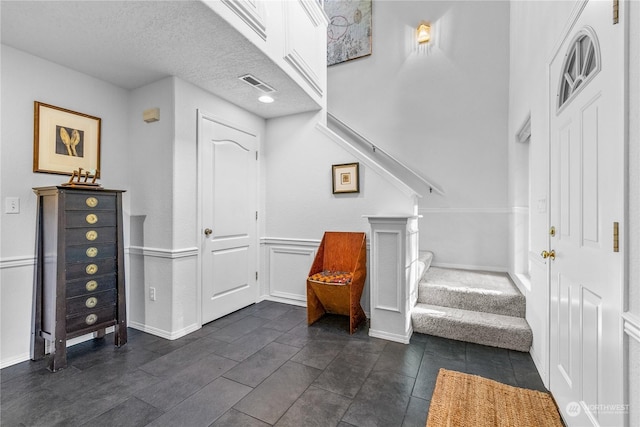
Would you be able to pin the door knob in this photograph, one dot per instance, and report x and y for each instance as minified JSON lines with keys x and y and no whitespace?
{"x":207,"y":232}
{"x":551,"y":255}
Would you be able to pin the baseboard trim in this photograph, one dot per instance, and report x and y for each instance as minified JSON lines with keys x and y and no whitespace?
{"x":15,"y":360}
{"x":70,"y":343}
{"x":470,"y":267}
{"x":404,"y":339}
{"x":540,"y":367}
{"x":522,"y":281}
{"x":162,"y":333}
{"x":290,"y":301}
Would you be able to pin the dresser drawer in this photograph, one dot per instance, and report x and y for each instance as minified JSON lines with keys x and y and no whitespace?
{"x":91,"y":218}
{"x":90,"y":318}
{"x":90,"y":252}
{"x":87,"y":285}
{"x":90,"y":302}
{"x":77,"y":236}
{"x":91,"y":201}
{"x":89,"y":269}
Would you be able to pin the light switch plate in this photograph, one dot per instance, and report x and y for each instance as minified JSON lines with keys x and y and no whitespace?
{"x":12,"y":205}
{"x":542,"y":205}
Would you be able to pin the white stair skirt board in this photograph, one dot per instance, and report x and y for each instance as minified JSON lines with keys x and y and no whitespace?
{"x":424,"y":262}
{"x":480,"y":307}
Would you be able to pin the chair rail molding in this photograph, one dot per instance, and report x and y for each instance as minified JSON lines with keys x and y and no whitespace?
{"x":164,"y":253}
{"x":17,"y":261}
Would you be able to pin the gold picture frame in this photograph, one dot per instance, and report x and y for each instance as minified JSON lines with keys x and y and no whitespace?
{"x":346,"y":178}
{"x":65,"y":140}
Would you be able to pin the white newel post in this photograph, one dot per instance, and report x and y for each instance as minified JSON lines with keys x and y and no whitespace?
{"x":393,"y":276}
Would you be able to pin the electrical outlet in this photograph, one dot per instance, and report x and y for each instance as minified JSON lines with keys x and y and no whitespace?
{"x":12,"y":205}
{"x":152,"y":294}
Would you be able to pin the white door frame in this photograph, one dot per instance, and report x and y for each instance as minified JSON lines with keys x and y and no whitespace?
{"x":204,"y":115}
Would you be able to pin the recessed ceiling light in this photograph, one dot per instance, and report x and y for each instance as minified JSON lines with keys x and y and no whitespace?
{"x":266,"y":99}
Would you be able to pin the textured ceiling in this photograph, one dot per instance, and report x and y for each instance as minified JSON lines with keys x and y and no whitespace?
{"x":133,"y":43}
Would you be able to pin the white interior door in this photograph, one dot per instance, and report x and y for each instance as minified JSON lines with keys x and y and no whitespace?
{"x":586,"y":200}
{"x":228,"y":199}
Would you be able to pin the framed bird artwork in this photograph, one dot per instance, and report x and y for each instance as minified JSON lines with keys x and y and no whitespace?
{"x":64,"y":140}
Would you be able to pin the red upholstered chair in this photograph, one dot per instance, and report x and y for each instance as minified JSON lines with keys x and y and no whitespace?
{"x":337,"y":276}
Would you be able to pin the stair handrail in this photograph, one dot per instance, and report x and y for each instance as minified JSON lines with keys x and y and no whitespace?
{"x":375,"y":148}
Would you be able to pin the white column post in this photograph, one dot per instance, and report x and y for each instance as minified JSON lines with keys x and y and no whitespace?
{"x":393,"y":275}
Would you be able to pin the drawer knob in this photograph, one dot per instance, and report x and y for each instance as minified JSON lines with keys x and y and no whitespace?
{"x":91,"y":235}
{"x":92,"y":218}
{"x":92,"y":202}
{"x":91,"y":319}
{"x":91,"y":302}
{"x":91,"y":285}
{"x":91,"y":269}
{"x":92,"y":252}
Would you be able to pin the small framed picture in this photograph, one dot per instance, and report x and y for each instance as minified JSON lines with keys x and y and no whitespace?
{"x":346,"y":178}
{"x":64,"y":140}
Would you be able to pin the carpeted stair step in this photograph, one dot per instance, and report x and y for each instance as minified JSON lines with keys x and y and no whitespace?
{"x":487,"y":292}
{"x":490,"y":329}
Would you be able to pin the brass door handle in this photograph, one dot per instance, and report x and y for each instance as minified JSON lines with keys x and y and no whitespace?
{"x":551,"y":255}
{"x":207,"y":232}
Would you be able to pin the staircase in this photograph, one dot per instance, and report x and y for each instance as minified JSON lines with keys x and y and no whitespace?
{"x":480,"y":307}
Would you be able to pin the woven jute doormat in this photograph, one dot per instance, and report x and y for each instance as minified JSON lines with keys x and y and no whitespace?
{"x":461,"y":399}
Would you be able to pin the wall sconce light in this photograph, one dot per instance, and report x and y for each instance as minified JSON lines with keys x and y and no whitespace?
{"x":423,"y":33}
{"x":151,"y":115}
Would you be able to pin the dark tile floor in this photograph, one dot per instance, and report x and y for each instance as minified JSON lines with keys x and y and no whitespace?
{"x":259,"y":366}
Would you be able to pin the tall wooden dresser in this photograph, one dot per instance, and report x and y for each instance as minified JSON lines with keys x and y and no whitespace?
{"x":79,"y":286}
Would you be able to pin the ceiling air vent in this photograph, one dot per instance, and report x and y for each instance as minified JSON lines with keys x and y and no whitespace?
{"x":261,"y":86}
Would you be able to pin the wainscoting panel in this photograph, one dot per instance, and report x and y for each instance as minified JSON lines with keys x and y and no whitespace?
{"x":173,"y":274}
{"x":286,"y":264}
{"x":304,"y":32}
{"x":16,"y":295}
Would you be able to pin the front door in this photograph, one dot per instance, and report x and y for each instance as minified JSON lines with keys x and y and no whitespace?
{"x":586,"y":209}
{"x":228,"y":195}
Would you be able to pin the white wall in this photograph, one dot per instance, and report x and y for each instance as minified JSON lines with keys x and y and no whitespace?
{"x":151,"y":161}
{"x":300,"y":205}
{"x":26,"y":79}
{"x":442,"y":110}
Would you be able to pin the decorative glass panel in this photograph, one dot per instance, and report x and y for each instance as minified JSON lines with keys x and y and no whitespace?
{"x":581,"y":63}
